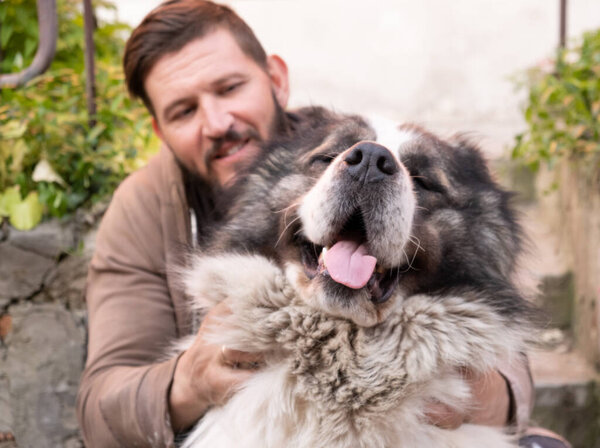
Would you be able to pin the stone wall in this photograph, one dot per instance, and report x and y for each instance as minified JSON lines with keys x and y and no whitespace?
{"x":42,"y":330}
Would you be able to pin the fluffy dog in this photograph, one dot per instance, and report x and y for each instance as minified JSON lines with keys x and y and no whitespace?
{"x":368,"y":266}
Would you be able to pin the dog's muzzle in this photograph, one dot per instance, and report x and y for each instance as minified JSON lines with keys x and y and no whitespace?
{"x":360,"y":198}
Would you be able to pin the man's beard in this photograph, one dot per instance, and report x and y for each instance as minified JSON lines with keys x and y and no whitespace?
{"x":202,"y":191}
{"x":201,"y":199}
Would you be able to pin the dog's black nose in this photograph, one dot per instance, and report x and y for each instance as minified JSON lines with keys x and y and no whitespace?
{"x":370,"y":162}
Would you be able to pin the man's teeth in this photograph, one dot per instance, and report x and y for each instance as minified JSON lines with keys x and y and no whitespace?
{"x":231,"y":151}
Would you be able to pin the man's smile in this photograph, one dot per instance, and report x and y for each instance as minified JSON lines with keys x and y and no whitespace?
{"x":229,"y":149}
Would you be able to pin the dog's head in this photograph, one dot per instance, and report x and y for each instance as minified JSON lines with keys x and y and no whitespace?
{"x":362,"y":217}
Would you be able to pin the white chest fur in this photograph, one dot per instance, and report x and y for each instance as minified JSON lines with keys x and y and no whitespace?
{"x":329,"y":383}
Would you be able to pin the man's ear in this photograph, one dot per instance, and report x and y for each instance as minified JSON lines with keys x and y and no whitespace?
{"x":156,"y":128}
{"x":278,"y":72}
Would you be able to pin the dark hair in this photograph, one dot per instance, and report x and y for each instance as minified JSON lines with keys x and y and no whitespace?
{"x":172,"y":25}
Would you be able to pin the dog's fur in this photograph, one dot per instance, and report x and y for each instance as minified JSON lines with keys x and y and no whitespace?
{"x":355,"y":366}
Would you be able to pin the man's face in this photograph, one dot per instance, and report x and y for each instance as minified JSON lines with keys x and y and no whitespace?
{"x":213,"y":104}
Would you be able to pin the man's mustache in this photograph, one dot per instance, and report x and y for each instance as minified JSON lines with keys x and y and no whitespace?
{"x":231,"y":136}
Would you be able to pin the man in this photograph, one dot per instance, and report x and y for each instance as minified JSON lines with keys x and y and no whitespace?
{"x":214,"y":96}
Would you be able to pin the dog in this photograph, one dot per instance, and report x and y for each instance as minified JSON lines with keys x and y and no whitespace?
{"x":368,"y":266}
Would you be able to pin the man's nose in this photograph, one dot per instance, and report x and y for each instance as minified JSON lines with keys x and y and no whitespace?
{"x":217,"y":120}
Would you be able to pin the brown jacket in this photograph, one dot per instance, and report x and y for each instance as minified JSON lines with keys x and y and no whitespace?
{"x":136,"y":308}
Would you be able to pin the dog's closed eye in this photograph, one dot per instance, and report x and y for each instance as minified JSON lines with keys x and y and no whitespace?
{"x":321,"y":159}
{"x":428,"y":183}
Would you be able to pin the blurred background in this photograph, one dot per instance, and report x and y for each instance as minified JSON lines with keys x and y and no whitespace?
{"x":489,"y":68}
{"x":448,"y":65}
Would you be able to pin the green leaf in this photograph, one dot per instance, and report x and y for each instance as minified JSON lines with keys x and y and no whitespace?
{"x":13,"y":129}
{"x":44,"y":172}
{"x":5,"y":33}
{"x":17,"y":150}
{"x":8,"y":199}
{"x":19,"y":60}
{"x":26,"y":214}
{"x":75,"y":199}
{"x":30,"y":46}
{"x":116,"y":102}
{"x":47,"y":118}
{"x":563,"y":108}
{"x":95,"y":132}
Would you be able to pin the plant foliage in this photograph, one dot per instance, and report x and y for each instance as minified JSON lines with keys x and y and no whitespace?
{"x":563,"y":109}
{"x":50,"y":158}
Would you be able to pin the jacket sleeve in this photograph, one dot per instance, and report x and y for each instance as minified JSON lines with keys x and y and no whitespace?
{"x":123,"y":394}
{"x":520,"y":386}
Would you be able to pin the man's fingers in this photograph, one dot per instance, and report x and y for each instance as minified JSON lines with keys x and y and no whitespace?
{"x":228,"y":356}
{"x":489,"y":405}
{"x":240,"y":360}
{"x":216,"y":313}
{"x":443,"y":416}
{"x":491,"y":398}
{"x":226,"y":382}
{"x":6,"y":437}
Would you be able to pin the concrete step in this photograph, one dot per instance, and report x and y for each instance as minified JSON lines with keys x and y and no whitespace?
{"x":567,"y":391}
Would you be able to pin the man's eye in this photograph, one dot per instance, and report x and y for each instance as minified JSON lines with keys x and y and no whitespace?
{"x":183,"y":113}
{"x":229,"y":88}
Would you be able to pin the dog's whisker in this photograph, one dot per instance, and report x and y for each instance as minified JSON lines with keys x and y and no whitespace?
{"x":416,"y":241}
{"x":410,"y":260}
{"x":410,"y":265}
{"x":286,"y":209}
{"x":285,"y":228}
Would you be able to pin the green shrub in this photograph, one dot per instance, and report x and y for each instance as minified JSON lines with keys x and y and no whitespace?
{"x":563,"y":109}
{"x":51,"y":161}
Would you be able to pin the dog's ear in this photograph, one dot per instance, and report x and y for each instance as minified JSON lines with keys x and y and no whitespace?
{"x":467,"y":155}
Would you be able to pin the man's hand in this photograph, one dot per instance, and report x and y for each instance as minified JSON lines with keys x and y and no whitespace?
{"x":490,"y":404}
{"x":206,"y":374}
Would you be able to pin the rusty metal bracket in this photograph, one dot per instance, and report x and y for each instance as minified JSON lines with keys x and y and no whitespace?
{"x":90,"y":49}
{"x":562,"y":34}
{"x":48,"y":32}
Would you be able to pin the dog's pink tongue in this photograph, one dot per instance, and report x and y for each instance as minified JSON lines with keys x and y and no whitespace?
{"x":349,"y":263}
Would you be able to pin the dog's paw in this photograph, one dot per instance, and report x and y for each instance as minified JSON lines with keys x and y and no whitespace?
{"x":248,"y":280}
